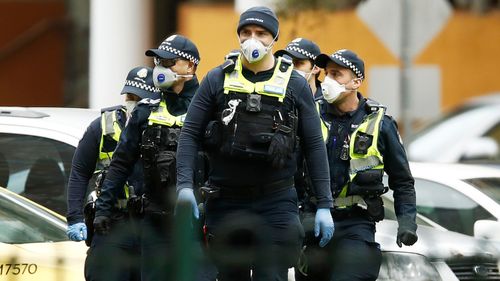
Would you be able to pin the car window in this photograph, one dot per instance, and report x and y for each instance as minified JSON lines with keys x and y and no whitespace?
{"x":448,"y":207}
{"x":37,"y":168}
{"x":390,"y":214}
{"x":21,"y":222}
{"x":489,"y":186}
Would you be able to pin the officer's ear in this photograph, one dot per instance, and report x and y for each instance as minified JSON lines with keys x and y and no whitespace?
{"x":191,"y":67}
{"x":356,"y":82}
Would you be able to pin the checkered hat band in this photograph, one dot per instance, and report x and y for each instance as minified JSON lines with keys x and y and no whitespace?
{"x":142,"y":86}
{"x":349,"y":64}
{"x":179,"y":53}
{"x":301,"y":51}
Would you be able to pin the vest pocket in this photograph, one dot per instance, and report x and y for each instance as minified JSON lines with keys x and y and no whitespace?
{"x":165,"y":163}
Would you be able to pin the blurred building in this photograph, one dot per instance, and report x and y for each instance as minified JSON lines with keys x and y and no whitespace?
{"x":453,"y":46}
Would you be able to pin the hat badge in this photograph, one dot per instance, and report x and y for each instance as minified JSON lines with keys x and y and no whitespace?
{"x":171,"y":38}
{"x":297,"y":40}
{"x":142,"y":73}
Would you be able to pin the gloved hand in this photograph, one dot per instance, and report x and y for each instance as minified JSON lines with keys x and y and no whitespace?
{"x":101,"y":225}
{"x":323,"y":223}
{"x":187,"y":195}
{"x":406,"y":236}
{"x":280,"y":149}
{"x":77,"y":231}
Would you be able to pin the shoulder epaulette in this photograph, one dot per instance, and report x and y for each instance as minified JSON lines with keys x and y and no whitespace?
{"x":286,"y":62}
{"x":372,"y":105}
{"x":112,"y":108}
{"x":230,"y":61}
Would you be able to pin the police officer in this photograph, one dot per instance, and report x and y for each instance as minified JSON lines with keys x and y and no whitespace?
{"x":248,"y":113}
{"x":303,"y":53}
{"x":363,"y":142}
{"x":151,"y":136}
{"x":94,"y":153}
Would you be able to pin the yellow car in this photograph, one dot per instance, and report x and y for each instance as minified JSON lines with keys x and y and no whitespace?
{"x":33,"y":243}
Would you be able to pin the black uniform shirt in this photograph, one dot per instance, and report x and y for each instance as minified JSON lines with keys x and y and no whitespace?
{"x":128,"y":150}
{"x":232,"y":172}
{"x":83,"y":167}
{"x":390,"y":146}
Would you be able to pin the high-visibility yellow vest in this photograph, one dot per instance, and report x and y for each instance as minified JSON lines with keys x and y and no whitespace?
{"x":162,"y":116}
{"x":373,"y":159}
{"x":110,"y":127}
{"x":324,"y":125}
{"x":274,"y":87}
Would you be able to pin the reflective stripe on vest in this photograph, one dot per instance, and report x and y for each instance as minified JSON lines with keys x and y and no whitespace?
{"x":274,"y":87}
{"x":372,"y":159}
{"x":109,"y":127}
{"x":162,"y":117}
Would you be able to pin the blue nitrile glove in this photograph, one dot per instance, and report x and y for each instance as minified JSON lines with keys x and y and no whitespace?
{"x":187,"y":195}
{"x":323,"y":223}
{"x":77,"y":231}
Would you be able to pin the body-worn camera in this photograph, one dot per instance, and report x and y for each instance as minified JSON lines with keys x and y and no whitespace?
{"x":173,"y":136}
{"x":362,"y":143}
{"x":253,"y":103}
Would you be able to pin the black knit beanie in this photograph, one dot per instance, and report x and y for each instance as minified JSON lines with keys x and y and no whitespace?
{"x":261,"y":16}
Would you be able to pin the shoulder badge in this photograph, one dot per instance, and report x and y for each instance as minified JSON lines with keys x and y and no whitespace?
{"x":149,"y":101}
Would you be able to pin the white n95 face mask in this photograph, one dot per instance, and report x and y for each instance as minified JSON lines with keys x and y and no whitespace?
{"x":332,"y":89}
{"x":164,"y":78}
{"x":130,"y":106}
{"x":254,"y":50}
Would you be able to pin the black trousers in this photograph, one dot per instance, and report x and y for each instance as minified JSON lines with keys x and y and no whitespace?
{"x":351,"y":255}
{"x":116,"y":256}
{"x":162,"y":247}
{"x":255,"y":239}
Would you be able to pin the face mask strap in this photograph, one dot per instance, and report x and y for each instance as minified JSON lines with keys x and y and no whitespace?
{"x":183,"y":75}
{"x":272,"y":42}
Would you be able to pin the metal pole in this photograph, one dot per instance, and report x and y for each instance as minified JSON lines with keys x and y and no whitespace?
{"x":405,"y":70}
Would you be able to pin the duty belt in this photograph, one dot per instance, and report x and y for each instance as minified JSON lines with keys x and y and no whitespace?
{"x":246,"y":192}
{"x":347,"y":201}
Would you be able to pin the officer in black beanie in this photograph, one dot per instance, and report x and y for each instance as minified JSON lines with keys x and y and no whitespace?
{"x":248,"y":113}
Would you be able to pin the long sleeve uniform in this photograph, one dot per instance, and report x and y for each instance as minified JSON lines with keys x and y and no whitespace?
{"x":128,"y":150}
{"x":235,"y":173}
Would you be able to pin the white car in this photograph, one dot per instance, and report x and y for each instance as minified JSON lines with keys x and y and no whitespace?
{"x":36,"y":149}
{"x":33,"y":243}
{"x":30,"y":134}
{"x":469,"y":133}
{"x":462,"y":198}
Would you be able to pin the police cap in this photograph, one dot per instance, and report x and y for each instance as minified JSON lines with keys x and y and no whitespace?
{"x":344,"y":58}
{"x":300,"y":48}
{"x":140,"y":83}
{"x":176,"y":46}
